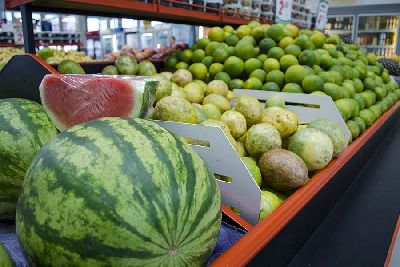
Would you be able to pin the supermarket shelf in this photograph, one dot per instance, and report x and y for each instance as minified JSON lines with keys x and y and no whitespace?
{"x":376,"y":31}
{"x":129,"y":8}
{"x":377,"y":46}
{"x":364,"y":219}
{"x":40,"y":44}
{"x":10,"y":45}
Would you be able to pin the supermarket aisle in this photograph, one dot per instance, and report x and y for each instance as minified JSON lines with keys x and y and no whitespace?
{"x":358,"y":231}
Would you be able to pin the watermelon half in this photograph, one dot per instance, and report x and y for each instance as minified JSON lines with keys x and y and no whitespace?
{"x":73,"y":99}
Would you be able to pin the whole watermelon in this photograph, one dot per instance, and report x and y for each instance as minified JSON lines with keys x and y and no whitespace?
{"x":5,"y":258}
{"x":24,"y":129}
{"x":118,"y":192}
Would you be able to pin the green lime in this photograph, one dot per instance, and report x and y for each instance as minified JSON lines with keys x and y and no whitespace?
{"x":199,"y":71}
{"x":198,"y":55}
{"x":360,"y":100}
{"x":220,"y":54}
{"x":262,"y":57}
{"x":277,"y":77}
{"x":182,"y":65}
{"x":207,"y":60}
{"x":303,"y":41}
{"x":270,"y":86}
{"x":252,"y":64}
{"x":293,"y":49}
{"x":215,"y":68}
{"x":317,"y":69}
{"x":231,"y":40}
{"x":186,"y":56}
{"x":295,"y":74}
{"x":345,"y":108}
{"x":276,"y":52}
{"x":259,"y":74}
{"x":271,"y":64}
{"x":307,"y":57}
{"x":333,"y":90}
{"x":244,"y":50}
{"x":312,"y":83}
{"x":228,"y":28}
{"x":202,"y":43}
{"x":318,"y":39}
{"x":327,"y":77}
{"x":236,"y":84}
{"x":275,"y":32}
{"x":266,"y":44}
{"x":367,"y":116}
{"x":234,"y":66}
{"x":292,"y":88}
{"x":216,"y":34}
{"x":253,"y":83}
{"x":286,"y":61}
{"x":170,"y":62}
{"x":223,"y":76}
{"x":285,"y":41}
{"x":211,"y":46}
{"x":360,"y":122}
{"x":259,"y":32}
{"x":354,"y":128}
{"x":243,"y":30}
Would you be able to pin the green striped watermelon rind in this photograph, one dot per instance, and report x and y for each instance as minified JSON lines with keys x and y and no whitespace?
{"x":24,"y":129}
{"x":118,"y":192}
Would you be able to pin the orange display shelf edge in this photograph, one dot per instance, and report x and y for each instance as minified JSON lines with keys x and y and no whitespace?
{"x":260,"y":235}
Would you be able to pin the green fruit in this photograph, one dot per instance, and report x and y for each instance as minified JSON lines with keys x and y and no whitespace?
{"x":194,"y":92}
{"x":182,"y":65}
{"x":236,"y":84}
{"x":223,"y":76}
{"x":253,"y":83}
{"x":333,"y":90}
{"x":327,"y":77}
{"x":335,"y":133}
{"x":367,"y":116}
{"x":164,"y":88}
{"x":266,"y":44}
{"x":211,"y":46}
{"x":303,"y":41}
{"x":252,"y":167}
{"x":243,"y":30}
{"x":360,"y":100}
{"x":45,"y":53}
{"x":275,"y":32}
{"x":277,"y":77}
{"x":173,"y":108}
{"x":293,"y":49}
{"x":286,"y":61}
{"x":235,"y":121}
{"x":354,"y":129}
{"x":231,"y":40}
{"x":199,"y":71}
{"x":234,"y":66}
{"x":275,"y":101}
{"x":307,"y":57}
{"x":252,"y":64}
{"x":271,"y":64}
{"x":276,"y":52}
{"x":313,"y":147}
{"x":219,"y":101}
{"x":318,"y":39}
{"x":281,"y":119}
{"x":216,"y":34}
{"x":5,"y":258}
{"x":283,"y":170}
{"x":220,"y":54}
{"x":215,"y":68}
{"x":109,"y":70}
{"x":317,"y":69}
{"x":217,"y":87}
{"x":146,"y":68}
{"x":71,"y":67}
{"x":358,"y":85}
{"x":326,"y":61}
{"x":250,"y":107}
{"x":259,"y":74}
{"x":186,"y":56}
{"x":371,"y":57}
{"x":182,"y":77}
{"x":261,"y":138}
{"x":312,"y":83}
{"x":270,"y":86}
{"x":345,"y":107}
{"x":207,"y":60}
{"x":198,"y":55}
{"x":128,"y":163}
{"x":211,"y":111}
{"x":361,"y":123}
{"x":244,"y":50}
{"x":292,"y":88}
{"x":295,"y":74}
{"x":269,"y":203}
{"x":24,"y":129}
{"x":380,"y":92}
{"x":369,"y":98}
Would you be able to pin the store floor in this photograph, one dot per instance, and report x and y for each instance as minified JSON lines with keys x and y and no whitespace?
{"x":359,"y":230}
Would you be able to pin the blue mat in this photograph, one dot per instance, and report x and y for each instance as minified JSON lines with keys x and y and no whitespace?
{"x":228,"y":236}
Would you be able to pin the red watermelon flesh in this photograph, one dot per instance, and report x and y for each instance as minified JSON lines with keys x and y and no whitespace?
{"x":73,"y":99}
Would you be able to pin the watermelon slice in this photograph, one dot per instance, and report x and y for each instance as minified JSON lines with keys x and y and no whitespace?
{"x":74,"y":99}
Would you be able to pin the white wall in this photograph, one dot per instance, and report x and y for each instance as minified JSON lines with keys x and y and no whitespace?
{"x":313,"y":4}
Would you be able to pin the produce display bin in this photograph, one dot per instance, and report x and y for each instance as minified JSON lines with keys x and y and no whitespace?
{"x":288,"y":227}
